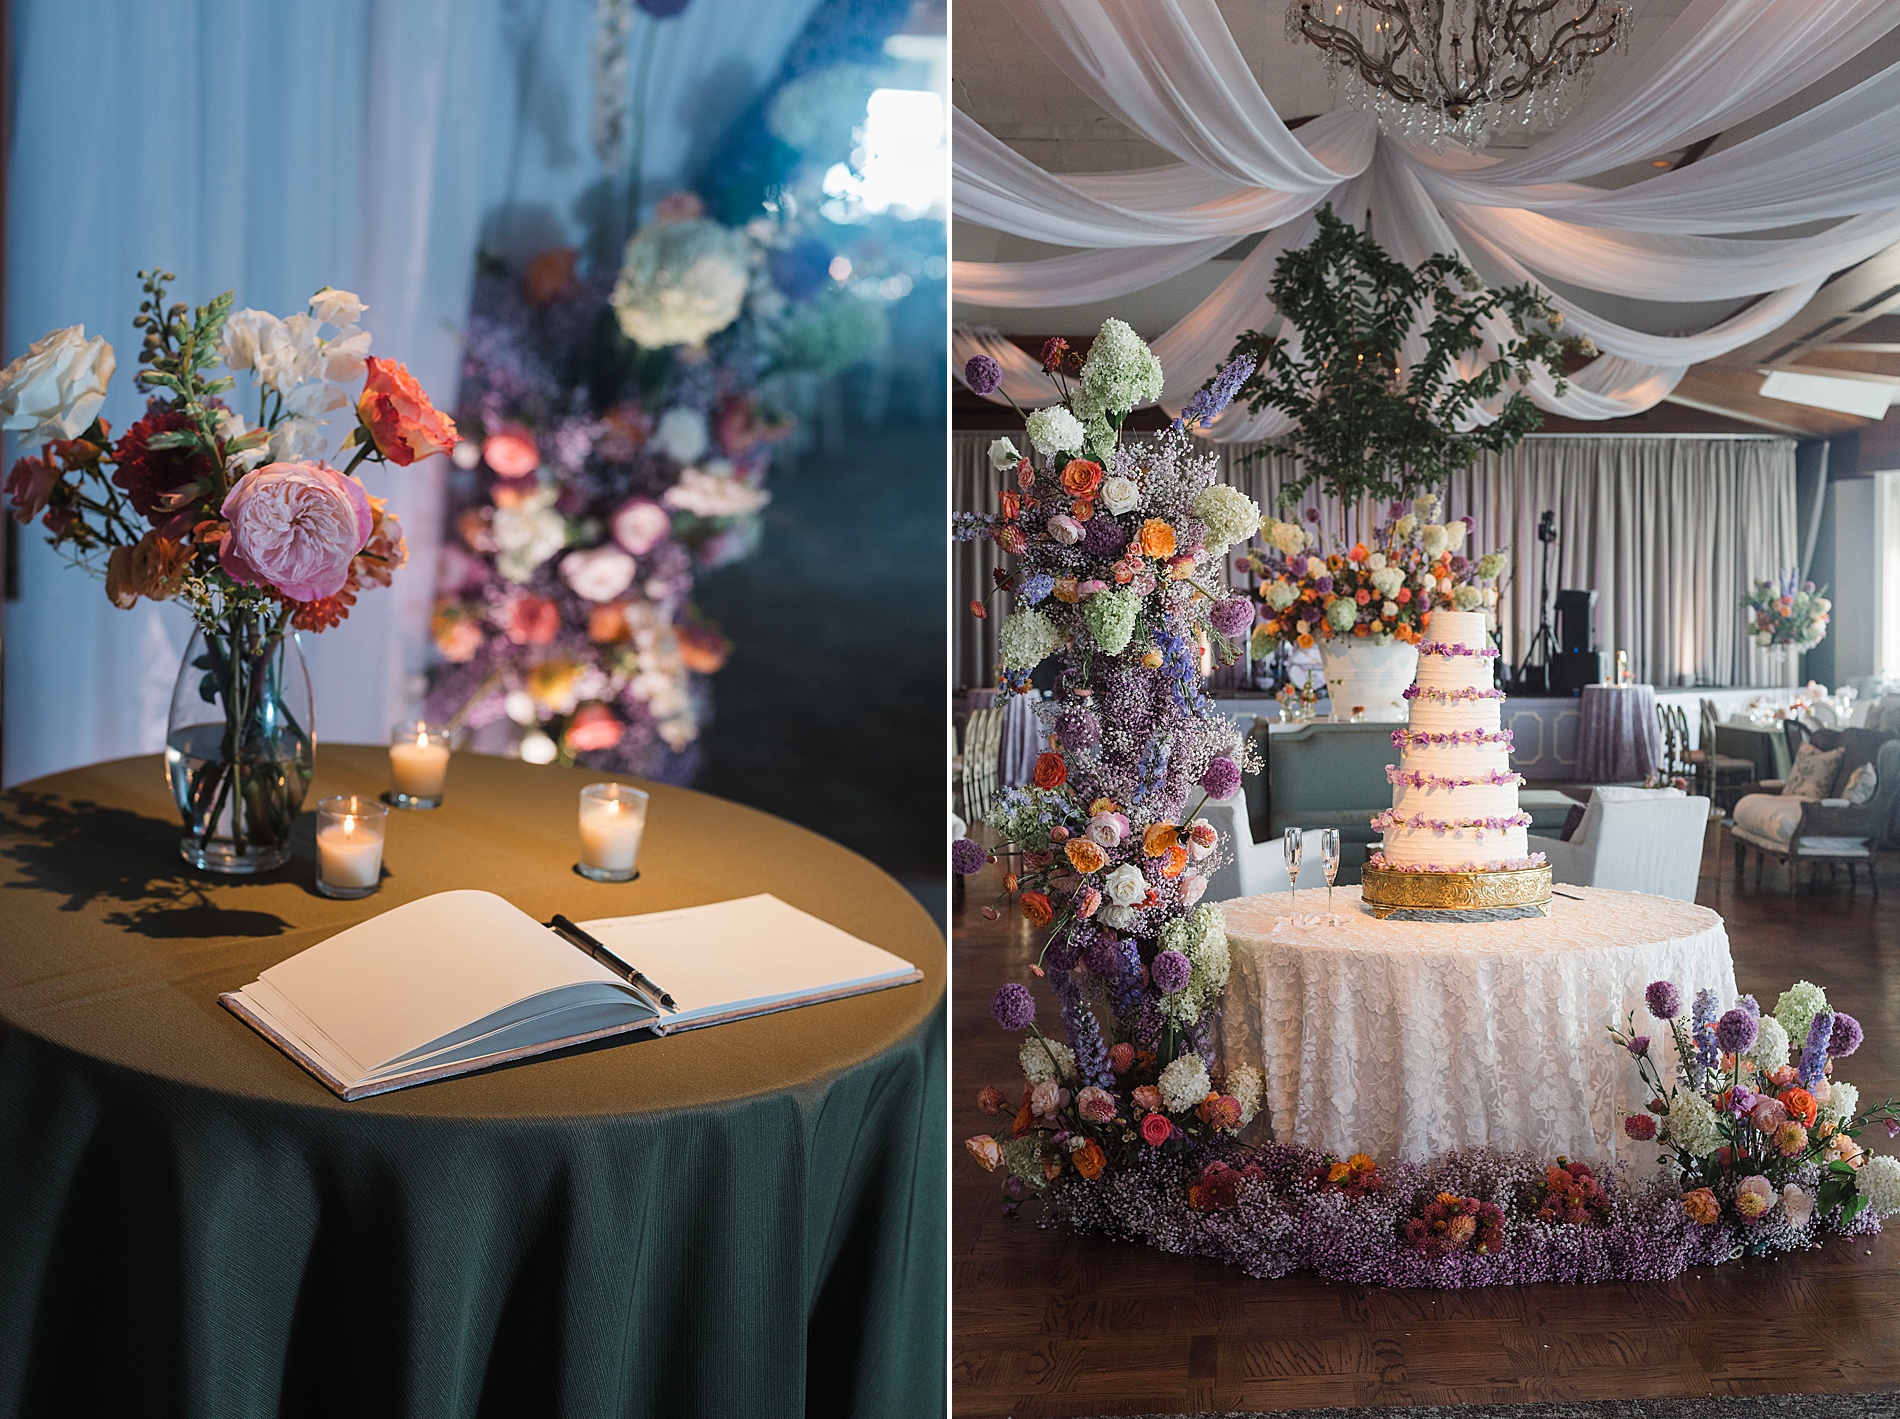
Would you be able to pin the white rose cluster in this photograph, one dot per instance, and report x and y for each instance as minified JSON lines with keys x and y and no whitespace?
{"x":681,"y":282}
{"x":1184,"y":1083}
{"x":1120,"y":495}
{"x":1229,"y":514}
{"x":1026,"y":639}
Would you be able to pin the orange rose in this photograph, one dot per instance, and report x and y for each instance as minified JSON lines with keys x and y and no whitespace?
{"x":1089,"y":1160}
{"x":1082,"y":509}
{"x":1158,"y":838}
{"x":1800,"y":1105}
{"x":986,"y":1150}
{"x":1051,"y":771}
{"x":1177,"y":862}
{"x":398,"y":416}
{"x":1361,"y":630}
{"x":1008,"y":505}
{"x":1157,"y":538}
{"x":1085,"y":856}
{"x":1702,"y":1207}
{"x":1080,"y":478}
{"x":607,"y":625}
{"x":153,"y":566}
{"x":1036,"y":909}
{"x":1306,"y":641}
{"x":702,"y":649}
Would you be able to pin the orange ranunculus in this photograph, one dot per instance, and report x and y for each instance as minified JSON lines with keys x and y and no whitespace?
{"x":1065,"y":591}
{"x":1177,"y":862}
{"x":1036,"y":910}
{"x":1051,"y":771}
{"x":398,"y":416}
{"x":607,"y":623}
{"x":1158,"y":838}
{"x":702,"y":648}
{"x":1157,"y":538}
{"x":1080,"y":478}
{"x":1082,"y":509}
{"x":1085,"y":856}
{"x":1306,"y":641}
{"x":1800,"y":1105}
{"x":1101,"y":805}
{"x":1362,"y":596}
{"x":1008,"y":505}
{"x":1089,"y":1160}
{"x":1152,"y":659}
{"x":1702,"y":1207}
{"x":1361,"y":630}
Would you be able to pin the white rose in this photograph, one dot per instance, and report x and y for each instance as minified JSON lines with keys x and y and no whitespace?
{"x":712,"y":492}
{"x":1054,"y":430}
{"x":1115,"y":917}
{"x":1390,"y":609}
{"x":1426,"y":580}
{"x":1125,"y":885}
{"x":598,"y":573}
{"x":1003,"y":455}
{"x":55,"y":389}
{"x":682,"y":434}
{"x":1120,"y":495}
{"x":334,"y":307}
{"x":1376,"y":562}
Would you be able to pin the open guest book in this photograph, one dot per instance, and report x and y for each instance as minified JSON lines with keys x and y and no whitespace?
{"x":463,"y":980}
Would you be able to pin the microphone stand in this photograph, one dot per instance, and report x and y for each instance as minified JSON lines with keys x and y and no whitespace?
{"x":1543,"y":645}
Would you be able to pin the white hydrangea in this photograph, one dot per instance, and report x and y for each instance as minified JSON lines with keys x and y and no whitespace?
{"x":1691,"y":1125}
{"x":1403,"y":529}
{"x":1121,"y":372}
{"x":1003,"y":454}
{"x":1770,"y":1050}
{"x":1248,"y":1087}
{"x":682,"y":434}
{"x":1026,"y":639}
{"x":1120,"y":495}
{"x":1796,"y":1009}
{"x":1341,"y":612}
{"x":1054,"y":430}
{"x":1387,"y":581}
{"x":1231,"y":516}
{"x":681,"y":282}
{"x":1843,"y":1101}
{"x":1184,"y":1083}
{"x":1038,"y":1067}
{"x":1436,"y":539}
{"x":1467,"y":598}
{"x":1286,"y":537}
{"x":1879,"y":1182}
{"x":1281,"y":594}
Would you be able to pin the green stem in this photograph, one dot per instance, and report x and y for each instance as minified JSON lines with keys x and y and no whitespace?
{"x":367,"y":447}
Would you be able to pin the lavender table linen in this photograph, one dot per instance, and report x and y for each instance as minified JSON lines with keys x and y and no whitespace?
{"x":1617,"y":737}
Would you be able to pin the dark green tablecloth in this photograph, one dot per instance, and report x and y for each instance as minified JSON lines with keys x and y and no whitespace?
{"x":744,"y":1220}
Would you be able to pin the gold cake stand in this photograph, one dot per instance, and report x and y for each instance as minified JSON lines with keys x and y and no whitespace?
{"x":1386,"y":891}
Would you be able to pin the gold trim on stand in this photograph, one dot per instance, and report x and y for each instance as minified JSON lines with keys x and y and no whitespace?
{"x":1386,"y":891}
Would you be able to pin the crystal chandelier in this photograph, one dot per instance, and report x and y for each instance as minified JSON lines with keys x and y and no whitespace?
{"x":1461,"y":69}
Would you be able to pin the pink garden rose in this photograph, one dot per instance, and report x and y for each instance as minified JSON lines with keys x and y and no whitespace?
{"x":640,"y":524}
{"x":294,"y":528}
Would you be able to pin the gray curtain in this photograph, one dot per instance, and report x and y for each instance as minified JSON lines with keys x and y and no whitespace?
{"x":1670,"y":532}
{"x":973,"y":488}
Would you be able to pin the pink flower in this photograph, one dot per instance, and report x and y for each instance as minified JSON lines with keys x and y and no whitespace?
{"x":511,"y":451}
{"x":985,"y":1150}
{"x":533,"y":620}
{"x":1086,"y":902}
{"x":1096,"y":1105}
{"x":640,"y":524}
{"x":1147,"y":1097}
{"x":1768,"y":1114}
{"x":294,"y":528}
{"x":1065,"y":529}
{"x":1121,"y":1057}
{"x":1791,"y":1139}
{"x":1156,"y":1130}
{"x":1108,"y":829}
{"x":1047,"y":1100}
{"x":594,"y":727}
{"x":1754,"y":1196}
{"x":1191,"y":888}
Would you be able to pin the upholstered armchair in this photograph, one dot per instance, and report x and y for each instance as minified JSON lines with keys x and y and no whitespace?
{"x":1633,"y":840}
{"x":1828,"y":830}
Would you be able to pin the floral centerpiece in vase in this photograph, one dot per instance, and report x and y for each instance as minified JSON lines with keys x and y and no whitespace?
{"x":1118,"y":544}
{"x":1789,"y":612}
{"x":240,"y":520}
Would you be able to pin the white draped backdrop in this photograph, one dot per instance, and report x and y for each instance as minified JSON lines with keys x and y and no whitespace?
{"x":1669,"y":531}
{"x":275,"y":149}
{"x":1813,"y":194}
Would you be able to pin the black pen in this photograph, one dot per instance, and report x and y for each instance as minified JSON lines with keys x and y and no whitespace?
{"x":632,"y":975}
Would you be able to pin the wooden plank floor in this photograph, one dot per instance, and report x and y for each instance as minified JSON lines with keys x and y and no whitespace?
{"x":1046,"y":1324}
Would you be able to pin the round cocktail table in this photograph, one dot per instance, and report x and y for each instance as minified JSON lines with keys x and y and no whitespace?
{"x":1407,"y":1038}
{"x":746,"y":1219}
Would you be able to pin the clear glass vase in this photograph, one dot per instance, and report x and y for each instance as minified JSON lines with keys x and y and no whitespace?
{"x":238,"y":745}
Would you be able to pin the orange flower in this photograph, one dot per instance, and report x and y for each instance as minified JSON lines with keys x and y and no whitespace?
{"x":550,"y":275}
{"x":1089,"y":1160}
{"x":1080,"y":478}
{"x":1036,"y":910}
{"x":1800,"y":1105}
{"x":1177,"y":862}
{"x":1362,"y":596}
{"x":985,"y":1150}
{"x":1152,"y":659}
{"x":1358,"y":553}
{"x":1159,"y":837}
{"x":1051,"y":771}
{"x":1157,"y":538}
{"x":153,"y":566}
{"x":607,"y":624}
{"x":1065,"y":591}
{"x":398,"y":416}
{"x":1701,"y":1207}
{"x":1085,"y":856}
{"x":1008,"y":505}
{"x":702,"y":648}
{"x":1361,"y":630}
{"x":1082,"y":509}
{"x":1306,"y":641}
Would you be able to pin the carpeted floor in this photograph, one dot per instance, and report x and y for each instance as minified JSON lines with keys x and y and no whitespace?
{"x":1774,"y":1406}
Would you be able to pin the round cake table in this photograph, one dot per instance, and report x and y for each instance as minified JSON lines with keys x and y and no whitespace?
{"x":746,"y":1219}
{"x":1407,"y":1038}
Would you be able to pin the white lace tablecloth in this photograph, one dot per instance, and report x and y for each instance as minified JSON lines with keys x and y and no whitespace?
{"x":1407,"y":1038}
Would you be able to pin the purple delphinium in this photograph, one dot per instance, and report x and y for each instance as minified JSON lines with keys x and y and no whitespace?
{"x":1170,"y":972}
{"x":1103,"y":537}
{"x":1663,"y":999}
{"x":1814,"y":1053}
{"x":1014,"y":1007}
{"x":967,"y":855}
{"x":1085,"y":1034}
{"x":1035,"y":588}
{"x":1736,"y":1030}
{"x":1232,"y":616}
{"x":1221,"y":779}
{"x":1207,"y":403}
{"x":1845,"y":1037}
{"x":982,"y":374}
{"x":1702,"y":1032}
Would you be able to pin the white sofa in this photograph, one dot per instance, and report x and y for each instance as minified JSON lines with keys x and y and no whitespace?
{"x":1635,"y":840}
{"x":1257,"y":868}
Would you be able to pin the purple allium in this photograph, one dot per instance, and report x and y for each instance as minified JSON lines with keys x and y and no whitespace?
{"x":1222,"y":778}
{"x":1170,"y":972}
{"x":1103,"y":537}
{"x":1103,"y":957}
{"x":1232,"y":617}
{"x":1469,"y":521}
{"x":1323,"y":584}
{"x":967,"y":855}
{"x":1079,"y":728}
{"x":1312,"y":514}
{"x":982,"y":374}
{"x":1639,"y":1045}
{"x":1396,"y":509}
{"x":1813,"y":1060}
{"x":1736,"y":1030}
{"x":1035,"y":588}
{"x":1663,"y":999}
{"x":1014,"y":1007}
{"x":1846,"y":1035}
{"x":1459,"y":566}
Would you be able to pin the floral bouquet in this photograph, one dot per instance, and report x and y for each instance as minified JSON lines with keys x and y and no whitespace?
{"x":624,"y":424}
{"x":1383,"y":590}
{"x":242,"y":521}
{"x":1114,"y":543}
{"x":1789,"y":612}
{"x":1760,"y":1134}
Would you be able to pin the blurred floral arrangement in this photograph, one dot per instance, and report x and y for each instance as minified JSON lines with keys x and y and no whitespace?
{"x":1788,"y":612}
{"x":1382,"y":589}
{"x":1114,"y":541}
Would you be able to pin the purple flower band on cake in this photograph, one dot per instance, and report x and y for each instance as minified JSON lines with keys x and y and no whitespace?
{"x":1418,"y":779}
{"x":1392,"y":819}
{"x":1503,"y":864}
{"x":1489,"y":652}
{"x":1416,"y":691}
{"x":1429,"y":739}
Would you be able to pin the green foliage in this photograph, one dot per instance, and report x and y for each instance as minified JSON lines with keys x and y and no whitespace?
{"x":1365,"y":426}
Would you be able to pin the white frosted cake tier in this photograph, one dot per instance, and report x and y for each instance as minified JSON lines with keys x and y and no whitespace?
{"x":1455,"y":850}
{"x":1465,"y":628}
{"x":1435,"y":716}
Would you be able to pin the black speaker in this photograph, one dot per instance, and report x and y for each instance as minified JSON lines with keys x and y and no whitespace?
{"x":1576,"y":620}
{"x":1571,"y":670}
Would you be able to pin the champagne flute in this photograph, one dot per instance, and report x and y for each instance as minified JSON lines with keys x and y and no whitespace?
{"x":1293,"y":843}
{"x":1329,"y":858}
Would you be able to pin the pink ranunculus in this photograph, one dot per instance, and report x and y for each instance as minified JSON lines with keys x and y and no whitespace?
{"x":594,"y":727}
{"x":295,"y":527}
{"x":511,"y":451}
{"x":640,"y":524}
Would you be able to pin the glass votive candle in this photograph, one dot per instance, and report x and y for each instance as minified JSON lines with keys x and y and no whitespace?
{"x":613,"y":816}
{"x":350,"y":845}
{"x":418,"y":764}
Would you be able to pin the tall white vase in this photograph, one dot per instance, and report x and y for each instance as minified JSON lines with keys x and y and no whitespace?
{"x":1361,"y":675}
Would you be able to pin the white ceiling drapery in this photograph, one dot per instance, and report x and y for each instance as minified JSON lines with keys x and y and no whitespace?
{"x":1171,"y":71}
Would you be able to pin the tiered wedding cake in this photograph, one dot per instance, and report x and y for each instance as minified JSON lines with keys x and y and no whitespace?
{"x":1454,"y":836}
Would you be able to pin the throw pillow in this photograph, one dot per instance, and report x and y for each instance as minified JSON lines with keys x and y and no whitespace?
{"x":1571,"y":821}
{"x":1861,"y":784}
{"x":1813,"y":773}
